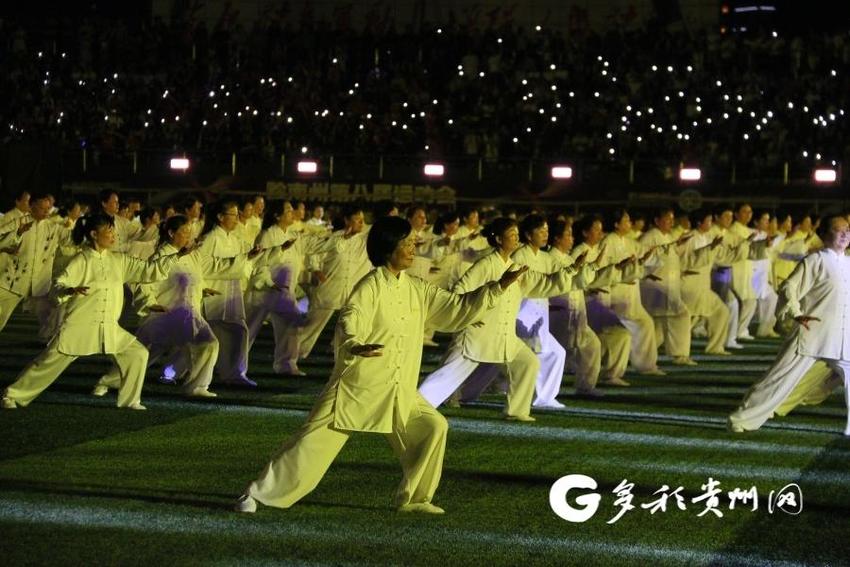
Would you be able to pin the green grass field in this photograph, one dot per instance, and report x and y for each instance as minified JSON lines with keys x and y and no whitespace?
{"x":84,"y":483}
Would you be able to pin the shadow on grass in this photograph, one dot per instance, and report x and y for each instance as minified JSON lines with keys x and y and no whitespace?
{"x":818,"y":534}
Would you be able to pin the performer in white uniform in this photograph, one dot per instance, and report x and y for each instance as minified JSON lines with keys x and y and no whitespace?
{"x":173,"y":309}
{"x":624,"y":298}
{"x":495,"y":340}
{"x":817,"y":296}
{"x":224,"y":305}
{"x":661,"y":289}
{"x":373,"y":385}
{"x":93,"y":288}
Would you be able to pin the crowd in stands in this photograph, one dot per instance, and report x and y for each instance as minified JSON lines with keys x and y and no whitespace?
{"x":439,"y":90}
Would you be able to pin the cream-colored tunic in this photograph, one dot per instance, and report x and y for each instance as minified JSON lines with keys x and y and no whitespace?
{"x":819,"y":287}
{"x":90,"y":323}
{"x":30,"y":271}
{"x":496,"y":340}
{"x":393,"y":312}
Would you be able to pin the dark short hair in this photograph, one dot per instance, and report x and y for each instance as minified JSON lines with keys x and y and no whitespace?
{"x":496,"y":228}
{"x":529,"y":224}
{"x":171,"y":224}
{"x":446,"y":218}
{"x":384,"y":237}
{"x":614,"y":218}
{"x":274,"y":210}
{"x":556,"y":230}
{"x":826,"y":227}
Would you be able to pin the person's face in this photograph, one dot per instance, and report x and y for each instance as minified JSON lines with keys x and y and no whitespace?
{"x":402,"y":256}
{"x":393,"y":212}
{"x":565,"y":241}
{"x":593,"y":235}
{"x":705,"y":224}
{"x":180,"y":238}
{"x":664,"y":222}
{"x":509,"y":240}
{"x":806,"y":224}
{"x":744,"y":214}
{"x":247,"y":211}
{"x":763,"y":222}
{"x":450,"y":229}
{"x":639,"y":224}
{"x":228,"y":218}
{"x":75,"y":212}
{"x":539,"y":236}
{"x":300,"y":211}
{"x":287,"y":217}
{"x":839,"y":234}
{"x":624,"y":226}
{"x":51,"y":200}
{"x":318,"y":213}
{"x":259,"y":207}
{"x":103,"y":237}
{"x":418,"y":220}
{"x":787,"y":224}
{"x":725,"y":219}
{"x":194,"y":212}
{"x":135,"y":207}
{"x":110,"y":206}
{"x":472,"y":220}
{"x":170,"y":212}
{"x":685,"y":223}
{"x":355,"y":222}
{"x":40,"y":209}
{"x":153,"y":220}
{"x":23,"y":204}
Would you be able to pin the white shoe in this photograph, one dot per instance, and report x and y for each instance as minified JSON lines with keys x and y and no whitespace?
{"x":552,"y":404}
{"x":245,"y":504}
{"x":734,"y":427}
{"x":202,"y":393}
{"x":747,"y":337}
{"x":8,"y":403}
{"x":769,"y":335}
{"x":100,"y":390}
{"x":291,"y":371}
{"x":684,"y":361}
{"x":653,"y":372}
{"x":616,"y":382}
{"x":735,"y":346}
{"x":136,"y":406}
{"x":718,"y":352}
{"x":422,"y":507}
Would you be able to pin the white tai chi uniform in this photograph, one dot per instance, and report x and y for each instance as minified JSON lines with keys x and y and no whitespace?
{"x":624,"y":300}
{"x":496,"y":340}
{"x":225,"y":312}
{"x":344,"y":264}
{"x":818,"y":287}
{"x":182,"y":325}
{"x":29,"y":273}
{"x":378,"y":394}
{"x":589,"y":354}
{"x":662,"y":299}
{"x":766,"y":297}
{"x":272,"y":291}
{"x":90,"y":323}
{"x":698,"y":258}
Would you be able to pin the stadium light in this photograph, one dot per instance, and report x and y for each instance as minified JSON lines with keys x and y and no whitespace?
{"x":826,"y":175}
{"x":307,"y":166}
{"x":562,"y":172}
{"x":181,"y":164}
{"x":690,"y":174}
{"x":434,"y":169}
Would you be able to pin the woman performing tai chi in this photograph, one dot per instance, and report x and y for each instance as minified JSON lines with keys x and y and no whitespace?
{"x":92,"y":289}
{"x":373,"y":384}
{"x":817,"y":296}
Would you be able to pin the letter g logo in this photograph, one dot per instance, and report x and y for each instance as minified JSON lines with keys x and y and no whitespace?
{"x":558,"y":498}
